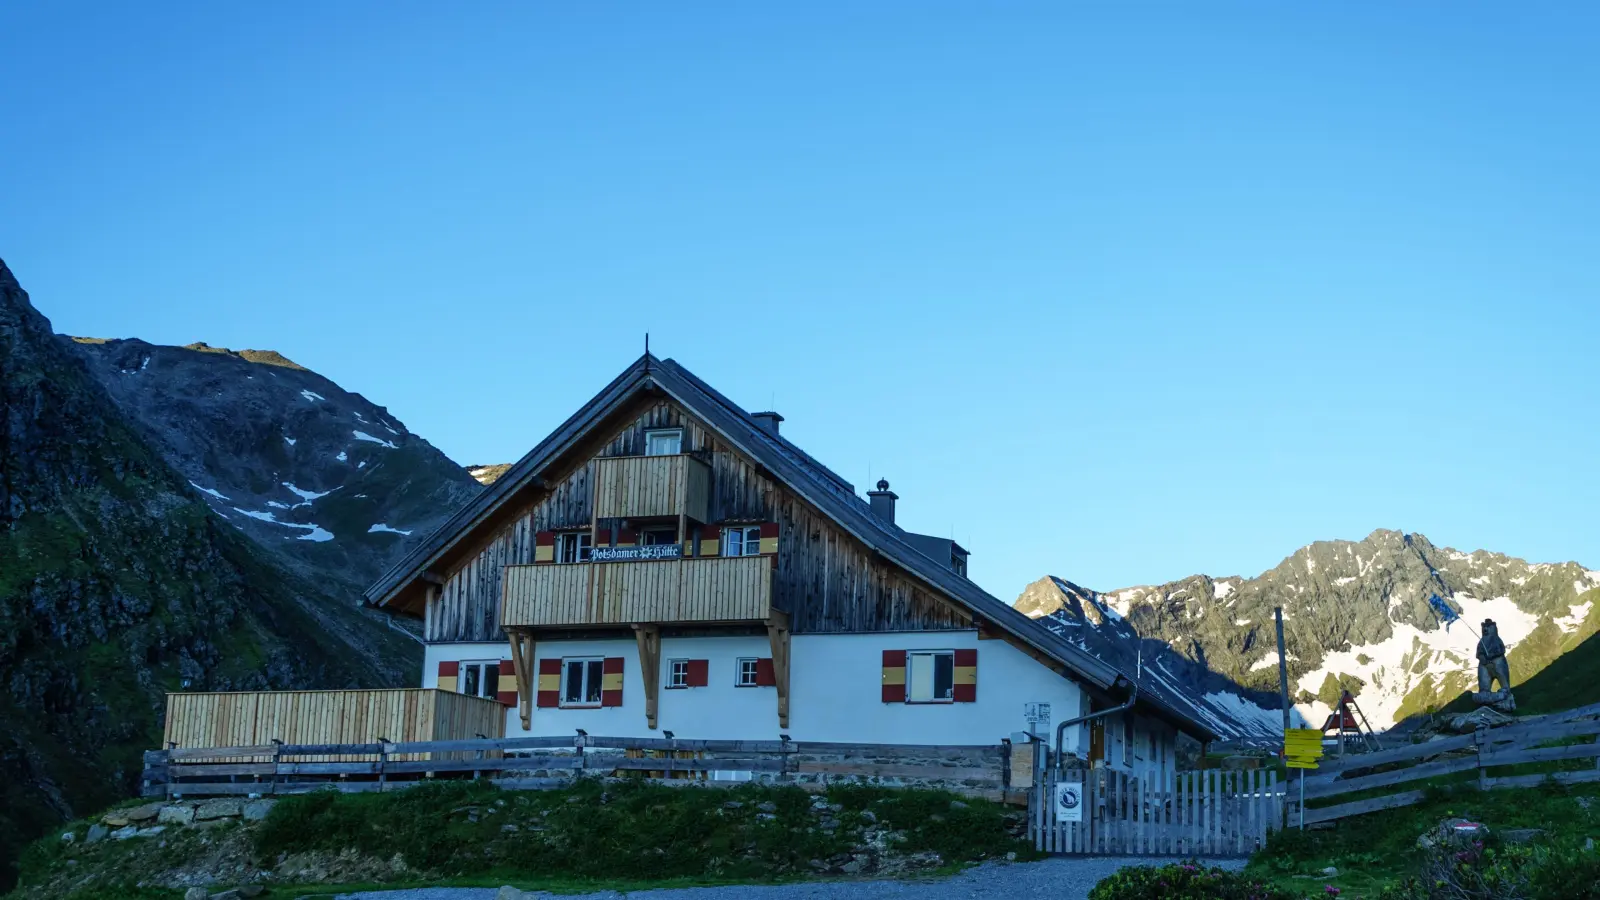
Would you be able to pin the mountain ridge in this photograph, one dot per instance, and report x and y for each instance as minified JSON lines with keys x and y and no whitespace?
{"x":1356,"y":616}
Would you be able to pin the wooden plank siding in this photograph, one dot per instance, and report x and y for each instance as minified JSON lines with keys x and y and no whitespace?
{"x":827,"y":581}
{"x":257,"y":718}
{"x":713,"y":589}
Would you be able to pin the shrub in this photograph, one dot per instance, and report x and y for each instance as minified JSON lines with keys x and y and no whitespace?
{"x":1184,"y":881}
{"x":1477,"y":872}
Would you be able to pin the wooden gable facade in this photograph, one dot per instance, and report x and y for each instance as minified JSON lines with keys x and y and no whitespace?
{"x":822,"y":578}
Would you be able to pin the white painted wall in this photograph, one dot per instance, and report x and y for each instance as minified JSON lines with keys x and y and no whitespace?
{"x":835,"y":691}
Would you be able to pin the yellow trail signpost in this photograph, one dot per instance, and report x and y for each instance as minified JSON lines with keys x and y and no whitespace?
{"x":1302,"y":747}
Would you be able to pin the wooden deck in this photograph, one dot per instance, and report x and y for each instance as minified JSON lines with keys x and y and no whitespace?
{"x":711,"y":589}
{"x":636,"y":487}
{"x":258,"y":718}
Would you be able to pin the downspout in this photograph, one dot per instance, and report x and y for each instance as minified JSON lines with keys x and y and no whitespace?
{"x":1061,"y":729}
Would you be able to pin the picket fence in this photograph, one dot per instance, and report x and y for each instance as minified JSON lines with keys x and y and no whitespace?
{"x":1209,"y":813}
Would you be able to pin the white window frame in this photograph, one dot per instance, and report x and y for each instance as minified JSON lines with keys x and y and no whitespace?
{"x":739,"y":671}
{"x":583,"y":541}
{"x":589,"y":665}
{"x":677,"y":674}
{"x":930,"y":657}
{"x":662,"y":432}
{"x":742,"y":534}
{"x":488,"y":677}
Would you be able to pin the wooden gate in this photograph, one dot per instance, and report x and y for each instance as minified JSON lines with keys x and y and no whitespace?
{"x":1210,"y":813}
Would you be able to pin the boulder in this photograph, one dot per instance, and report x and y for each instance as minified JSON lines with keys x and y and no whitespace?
{"x":1453,"y":834}
{"x":508,"y":892}
{"x":119,"y":818}
{"x":125,"y":832}
{"x":196,"y":893}
{"x":1482,"y":717}
{"x":218,"y":809}
{"x":68,"y":837}
{"x":227,"y":895}
{"x":176,"y":815}
{"x":97,"y":833}
{"x":256,"y":810}
{"x":1521,"y":835}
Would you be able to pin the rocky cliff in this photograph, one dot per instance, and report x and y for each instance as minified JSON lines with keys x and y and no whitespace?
{"x":323,"y":479}
{"x":118,"y":583}
{"x":1356,"y":616}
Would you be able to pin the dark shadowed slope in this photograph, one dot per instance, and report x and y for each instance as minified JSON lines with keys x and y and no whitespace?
{"x":117,"y":583}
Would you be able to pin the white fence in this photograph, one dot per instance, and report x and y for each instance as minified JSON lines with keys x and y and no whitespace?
{"x":1102,"y":811}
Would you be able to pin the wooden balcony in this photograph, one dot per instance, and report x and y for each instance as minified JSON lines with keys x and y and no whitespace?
{"x":636,"y":487}
{"x":713,"y":589}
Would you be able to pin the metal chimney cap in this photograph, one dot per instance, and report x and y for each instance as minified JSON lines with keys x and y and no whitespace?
{"x":883,"y":484}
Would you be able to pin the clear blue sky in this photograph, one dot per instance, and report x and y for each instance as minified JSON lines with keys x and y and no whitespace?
{"x":1119,"y":292}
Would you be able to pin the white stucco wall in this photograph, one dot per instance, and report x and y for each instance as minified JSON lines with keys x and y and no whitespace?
{"x":835,"y":691}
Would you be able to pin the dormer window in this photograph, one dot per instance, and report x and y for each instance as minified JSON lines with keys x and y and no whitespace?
{"x":663,"y":442}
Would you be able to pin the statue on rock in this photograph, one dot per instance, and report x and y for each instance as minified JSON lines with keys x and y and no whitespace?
{"x":1493,"y":671}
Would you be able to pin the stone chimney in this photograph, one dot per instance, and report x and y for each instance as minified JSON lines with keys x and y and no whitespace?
{"x":882,"y":501}
{"x":768,"y":421}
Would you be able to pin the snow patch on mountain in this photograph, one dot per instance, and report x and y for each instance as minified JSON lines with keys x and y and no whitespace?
{"x":306,"y":495}
{"x":212,"y":491}
{"x":380,"y":527}
{"x":363,"y":436}
{"x":1578,"y":614}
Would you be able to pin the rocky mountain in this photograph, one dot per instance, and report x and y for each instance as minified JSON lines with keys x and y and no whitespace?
{"x":1087,"y":619}
{"x":323,"y":479}
{"x":487,"y":475}
{"x":118,"y":583}
{"x":1356,"y":616}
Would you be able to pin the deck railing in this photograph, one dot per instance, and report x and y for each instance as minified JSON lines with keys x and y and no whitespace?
{"x":709,"y":589}
{"x":547,"y":762}
{"x":634,"y":487}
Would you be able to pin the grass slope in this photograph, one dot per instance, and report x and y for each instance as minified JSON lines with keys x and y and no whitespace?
{"x":594,"y":835}
{"x":1378,"y":850}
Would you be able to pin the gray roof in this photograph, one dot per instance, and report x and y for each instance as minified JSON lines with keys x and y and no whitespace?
{"x":807,"y":477}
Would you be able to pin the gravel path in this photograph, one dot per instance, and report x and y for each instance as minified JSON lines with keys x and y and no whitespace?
{"x":1060,"y":879}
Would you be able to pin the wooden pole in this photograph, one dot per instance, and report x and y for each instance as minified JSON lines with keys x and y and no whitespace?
{"x":1283,"y":686}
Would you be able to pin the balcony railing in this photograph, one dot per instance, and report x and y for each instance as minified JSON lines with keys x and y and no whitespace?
{"x":712,"y":589}
{"x":628,"y":487}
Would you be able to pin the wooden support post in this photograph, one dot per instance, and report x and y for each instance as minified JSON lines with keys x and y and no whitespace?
{"x":778,"y":636}
{"x":649,"y":638}
{"x":522,"y":661}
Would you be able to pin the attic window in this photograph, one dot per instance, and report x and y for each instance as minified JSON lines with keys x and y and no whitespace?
{"x":663,"y":442}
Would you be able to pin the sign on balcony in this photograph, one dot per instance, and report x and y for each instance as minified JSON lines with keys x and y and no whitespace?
{"x":624,"y":554}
